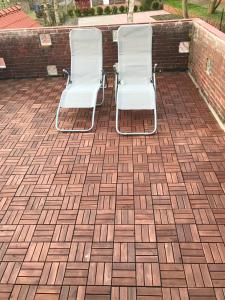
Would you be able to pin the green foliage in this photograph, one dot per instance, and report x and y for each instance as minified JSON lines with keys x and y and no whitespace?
{"x":122,"y":9}
{"x":107,"y":10}
{"x":141,"y":8}
{"x":156,"y":5}
{"x":135,"y":8}
{"x":167,"y":17}
{"x":78,"y":12}
{"x":40,"y":12}
{"x":62,"y":17}
{"x":85,"y":12}
{"x":147,"y":4}
{"x":91,"y":11}
{"x":99,"y":10}
{"x":52,"y":15}
{"x":197,"y":10}
{"x":6,"y":3}
{"x":114,"y":10}
{"x":71,"y":12}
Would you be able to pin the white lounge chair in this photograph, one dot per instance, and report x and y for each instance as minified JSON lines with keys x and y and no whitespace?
{"x":86,"y":76}
{"x":135,"y":80}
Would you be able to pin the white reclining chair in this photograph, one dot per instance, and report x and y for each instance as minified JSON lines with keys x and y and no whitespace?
{"x":86,"y":76}
{"x":135,"y":80}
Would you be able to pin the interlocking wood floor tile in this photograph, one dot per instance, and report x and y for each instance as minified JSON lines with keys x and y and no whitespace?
{"x":148,"y":274}
{"x":169,"y":253}
{"x":76,"y":273}
{"x":102,"y":216}
{"x":146,"y":252}
{"x":102,"y":252}
{"x":124,"y":252}
{"x":144,"y":293}
{"x":173,"y":275}
{"x":175,"y":293}
{"x":202,"y":294}
{"x":193,"y":253}
{"x":126,"y":293}
{"x":124,"y":274}
{"x":197,"y":275}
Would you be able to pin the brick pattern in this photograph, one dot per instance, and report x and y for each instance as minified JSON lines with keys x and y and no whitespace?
{"x":101,"y":216}
{"x":16,"y":45}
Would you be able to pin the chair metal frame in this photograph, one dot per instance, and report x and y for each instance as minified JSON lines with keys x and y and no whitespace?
{"x":102,"y":85}
{"x":152,"y":81}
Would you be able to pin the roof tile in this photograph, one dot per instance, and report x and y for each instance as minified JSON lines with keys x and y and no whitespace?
{"x":14,"y":17}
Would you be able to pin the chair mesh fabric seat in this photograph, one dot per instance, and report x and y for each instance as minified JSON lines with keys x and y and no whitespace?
{"x":135,"y":90}
{"x":135,"y":81}
{"x":128,"y":97}
{"x":86,"y":69}
{"x":79,"y":96}
{"x":86,"y":76}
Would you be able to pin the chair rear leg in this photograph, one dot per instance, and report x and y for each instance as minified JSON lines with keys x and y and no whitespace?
{"x":74,"y":130}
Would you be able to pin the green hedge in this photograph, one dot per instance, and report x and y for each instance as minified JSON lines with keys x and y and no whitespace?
{"x":98,"y":11}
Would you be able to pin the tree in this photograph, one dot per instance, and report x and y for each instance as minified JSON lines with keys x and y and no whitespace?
{"x":47,"y":17}
{"x":56,"y":12}
{"x":66,"y":7}
{"x":130,"y":11}
{"x":185,"y":9}
{"x":213,"y":4}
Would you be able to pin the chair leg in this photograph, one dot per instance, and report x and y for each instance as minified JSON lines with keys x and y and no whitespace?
{"x":106,"y":82}
{"x":74,"y":130}
{"x":135,"y":133}
{"x":104,"y":85}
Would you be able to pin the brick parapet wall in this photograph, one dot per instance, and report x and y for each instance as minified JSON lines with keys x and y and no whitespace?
{"x":207,"y":65}
{"x":25,"y":57}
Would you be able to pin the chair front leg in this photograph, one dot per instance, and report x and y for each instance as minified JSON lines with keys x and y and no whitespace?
{"x":135,"y":133}
{"x":154,"y":79}
{"x":104,"y":79}
{"x":74,"y":130}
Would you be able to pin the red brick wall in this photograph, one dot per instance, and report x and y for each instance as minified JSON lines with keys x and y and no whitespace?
{"x":25,"y":57}
{"x":208,"y":48}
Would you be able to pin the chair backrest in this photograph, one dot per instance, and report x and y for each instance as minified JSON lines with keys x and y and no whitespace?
{"x":135,"y":53}
{"x":86,"y":54}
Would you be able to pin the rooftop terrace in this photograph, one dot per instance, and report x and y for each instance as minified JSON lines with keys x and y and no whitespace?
{"x":102,"y":216}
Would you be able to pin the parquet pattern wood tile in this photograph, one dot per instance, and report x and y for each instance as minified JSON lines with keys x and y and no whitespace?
{"x":101,"y":216}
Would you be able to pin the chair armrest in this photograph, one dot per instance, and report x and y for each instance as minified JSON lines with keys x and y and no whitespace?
{"x":116,"y":73}
{"x":153,"y":75}
{"x":67,"y":73}
{"x":115,"y":67}
{"x":104,"y":79}
{"x":104,"y":74}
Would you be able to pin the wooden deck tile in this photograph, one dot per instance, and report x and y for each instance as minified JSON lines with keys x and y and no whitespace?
{"x":102,"y":216}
